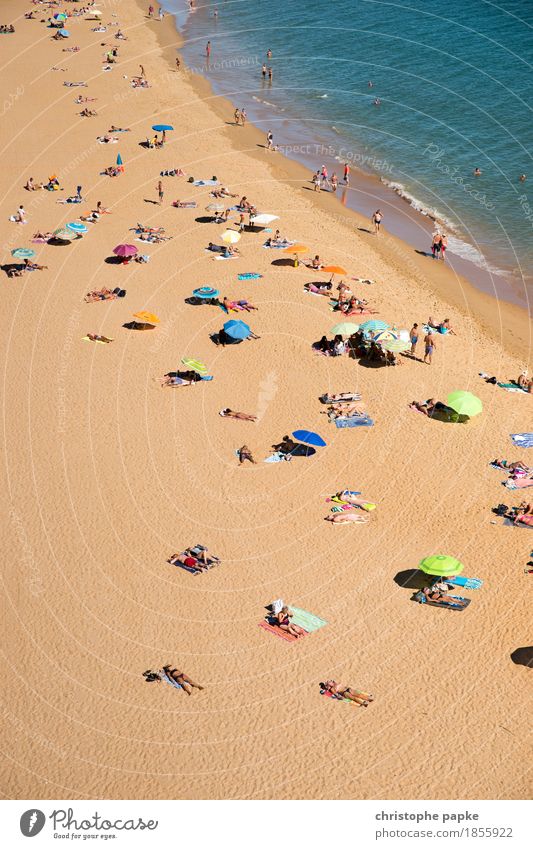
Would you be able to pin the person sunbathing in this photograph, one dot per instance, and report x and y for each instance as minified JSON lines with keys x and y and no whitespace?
{"x":427,"y":407}
{"x":222,"y":193}
{"x":95,"y":337}
{"x":182,"y":679}
{"x":198,"y":562}
{"x":231,"y":414}
{"x":114,"y":129}
{"x":355,"y":500}
{"x":111,"y":171}
{"x":179,"y":378}
{"x":516,"y":465}
{"x":237,"y":305}
{"x":184,"y":204}
{"x":342,"y":396}
{"x":348,"y":408}
{"x":42,"y":236}
{"x":31,"y":186}
{"x":438,"y":597}
{"x":107,"y":139}
{"x":318,"y":288}
{"x":244,"y":453}
{"x":172,"y":172}
{"x":230,"y":251}
{"x":103,"y":294}
{"x":524,"y":382}
{"x":338,"y":691}
{"x":33,"y":266}
{"x":283,"y":619}
{"x":346,"y":518}
{"x":88,"y":113}
{"x":442,"y":326}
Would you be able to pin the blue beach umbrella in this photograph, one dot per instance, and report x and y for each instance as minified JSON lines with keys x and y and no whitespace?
{"x":372,"y":325}
{"x":64,"y":32}
{"x":119,"y":159}
{"x":77,"y":227}
{"x":23,"y":253}
{"x":205,"y":292}
{"x":237,"y":329}
{"x":309,"y":438}
{"x":159,"y":128}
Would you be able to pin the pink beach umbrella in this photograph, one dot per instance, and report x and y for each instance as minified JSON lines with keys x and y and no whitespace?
{"x":125,"y":251}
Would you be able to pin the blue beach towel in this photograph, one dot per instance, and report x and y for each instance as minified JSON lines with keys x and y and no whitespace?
{"x":165,"y":677}
{"x":354,"y":421}
{"x":523,"y":440}
{"x":466,"y":583}
{"x":249,"y":275}
{"x":206,"y":183}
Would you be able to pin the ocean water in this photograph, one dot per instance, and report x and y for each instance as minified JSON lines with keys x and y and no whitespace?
{"x":456,"y":89}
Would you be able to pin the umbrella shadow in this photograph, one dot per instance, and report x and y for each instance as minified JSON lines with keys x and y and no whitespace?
{"x":11,"y":268}
{"x":207,"y":219}
{"x":523,"y":656}
{"x":60,"y":243}
{"x":138,"y":325}
{"x":411,"y":579}
{"x":283,"y":263}
{"x":222,"y":339}
{"x":197,"y":302}
{"x":114,"y":260}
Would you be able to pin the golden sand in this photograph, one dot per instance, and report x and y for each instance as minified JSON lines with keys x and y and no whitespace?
{"x":106,"y":475}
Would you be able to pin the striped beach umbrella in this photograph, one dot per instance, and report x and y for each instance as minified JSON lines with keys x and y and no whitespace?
{"x":63,"y":235}
{"x":345,"y":328}
{"x":23,"y":253}
{"x":77,"y":227}
{"x":372,"y":325}
{"x":205,"y":292}
{"x":396,"y":346}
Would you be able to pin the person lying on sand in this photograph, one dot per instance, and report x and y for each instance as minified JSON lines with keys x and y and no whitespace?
{"x":33,"y":266}
{"x":111,"y":171}
{"x":179,"y":378}
{"x":222,"y":193}
{"x":438,"y":597}
{"x":283,"y":619}
{"x":195,"y":560}
{"x":244,"y":453}
{"x":511,"y":467}
{"x":341,"y":692}
{"x":103,"y":294}
{"x":95,"y":337}
{"x":524,"y":382}
{"x":88,"y":113}
{"x":114,"y":129}
{"x":442,"y":326}
{"x":523,"y":513}
{"x":346,"y":518}
{"x":42,"y":236}
{"x":355,"y":306}
{"x":427,"y":407}
{"x":238,"y":306}
{"x":81,"y":99}
{"x":231,"y":414}
{"x":181,"y":678}
{"x":349,"y":408}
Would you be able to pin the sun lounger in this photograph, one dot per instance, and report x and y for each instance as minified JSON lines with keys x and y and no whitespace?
{"x":422,"y":599}
{"x":354,"y":421}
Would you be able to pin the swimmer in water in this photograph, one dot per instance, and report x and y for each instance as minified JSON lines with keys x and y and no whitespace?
{"x":477,"y":172}
{"x":522,"y":178}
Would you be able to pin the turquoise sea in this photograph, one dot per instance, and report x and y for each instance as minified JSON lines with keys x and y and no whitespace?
{"x":455,"y":86}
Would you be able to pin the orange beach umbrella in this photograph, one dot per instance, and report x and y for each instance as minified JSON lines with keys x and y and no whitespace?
{"x":335,"y":269}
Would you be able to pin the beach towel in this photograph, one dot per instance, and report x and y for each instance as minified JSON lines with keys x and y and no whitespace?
{"x":421,"y":598}
{"x":168,"y":680}
{"x":277,"y":457}
{"x":354,"y":421}
{"x":249,"y":275}
{"x":205,"y":182}
{"x":308,"y":621}
{"x":513,"y":387}
{"x":98,"y":341}
{"x":519,"y":483}
{"x":523,"y":440}
{"x":275,"y":629}
{"x":337,"y":698}
{"x":225,"y":257}
{"x":466,"y":583}
{"x":348,"y":396}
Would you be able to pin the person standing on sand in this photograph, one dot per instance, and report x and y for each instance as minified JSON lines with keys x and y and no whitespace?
{"x":443,"y":246}
{"x":377,"y":218}
{"x":429,"y":343}
{"x":237,"y":116}
{"x":346,"y":174}
{"x":161,"y":14}
{"x":334,"y":182}
{"x":316,"y":181}
{"x":243,"y":117}
{"x":436,"y":244}
{"x":413,"y":337}
{"x":270,"y":139}
{"x":151,"y":11}
{"x":142,"y":74}
{"x":160,"y":192}
{"x":178,"y":64}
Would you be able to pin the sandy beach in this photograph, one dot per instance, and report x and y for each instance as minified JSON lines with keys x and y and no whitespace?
{"x":106,"y":474}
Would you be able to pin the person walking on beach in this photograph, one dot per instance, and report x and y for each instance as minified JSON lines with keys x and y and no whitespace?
{"x":346,"y":174}
{"x":178,"y":63}
{"x":316,"y":181}
{"x":413,"y":337}
{"x":243,"y":117}
{"x":237,"y":116}
{"x":160,"y":192}
{"x":150,"y":11}
{"x":161,"y":14}
{"x":334,"y":182}
{"x":270,"y":139}
{"x":429,"y":343}
{"x":142,"y":74}
{"x":377,"y":218}
{"x":443,"y":246}
{"x":436,"y":244}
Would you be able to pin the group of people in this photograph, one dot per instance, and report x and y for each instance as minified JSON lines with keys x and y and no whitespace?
{"x":439,"y":245}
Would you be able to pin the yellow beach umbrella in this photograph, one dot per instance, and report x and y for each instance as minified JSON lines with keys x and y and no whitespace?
{"x":231,"y":237}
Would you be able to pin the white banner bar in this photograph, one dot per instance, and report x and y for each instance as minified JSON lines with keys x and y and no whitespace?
{"x":263,"y":824}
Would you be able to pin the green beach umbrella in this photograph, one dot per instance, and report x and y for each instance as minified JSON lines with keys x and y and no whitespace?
{"x":464,"y":403}
{"x":23,"y":253}
{"x":63,"y":234}
{"x":345,"y":328}
{"x":195,"y":365}
{"x":441,"y":565}
{"x":396,"y":345}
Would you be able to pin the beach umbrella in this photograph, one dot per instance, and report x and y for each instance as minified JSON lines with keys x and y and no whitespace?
{"x":215,"y":207}
{"x":125,"y":251}
{"x":205,"y":292}
{"x":345,"y":328}
{"x":309,"y":438}
{"x":441,"y":565}
{"x":195,"y":365}
{"x":23,"y":253}
{"x":146,"y":316}
{"x":119,"y":159}
{"x":64,"y":32}
{"x":396,"y":345}
{"x":385,"y":335}
{"x":296,"y":249}
{"x":464,"y":403}
{"x":60,"y":16}
{"x":63,"y":234}
{"x":335,"y":269}
{"x":373,"y":325}
{"x":236,"y":329}
{"x":77,"y":227}
{"x":264,"y":219}
{"x":231,"y":237}
{"x":160,"y":128}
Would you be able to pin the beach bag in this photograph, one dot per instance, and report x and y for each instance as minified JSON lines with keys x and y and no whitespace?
{"x":190,"y":180}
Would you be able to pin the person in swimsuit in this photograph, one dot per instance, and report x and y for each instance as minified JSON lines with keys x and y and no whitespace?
{"x":198,"y":562}
{"x":525,"y":383}
{"x":231,"y":414}
{"x":182,"y":679}
{"x":264,"y":71}
{"x":338,"y":691}
{"x":376,"y":221}
{"x":429,"y":342}
{"x":346,"y":519}
{"x":443,"y":246}
{"x":437,"y":597}
{"x":283,"y":619}
{"x":413,"y":337}
{"x":245,"y":454}
{"x":436,"y":245}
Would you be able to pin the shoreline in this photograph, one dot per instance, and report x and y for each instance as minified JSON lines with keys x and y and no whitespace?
{"x":458,"y":290}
